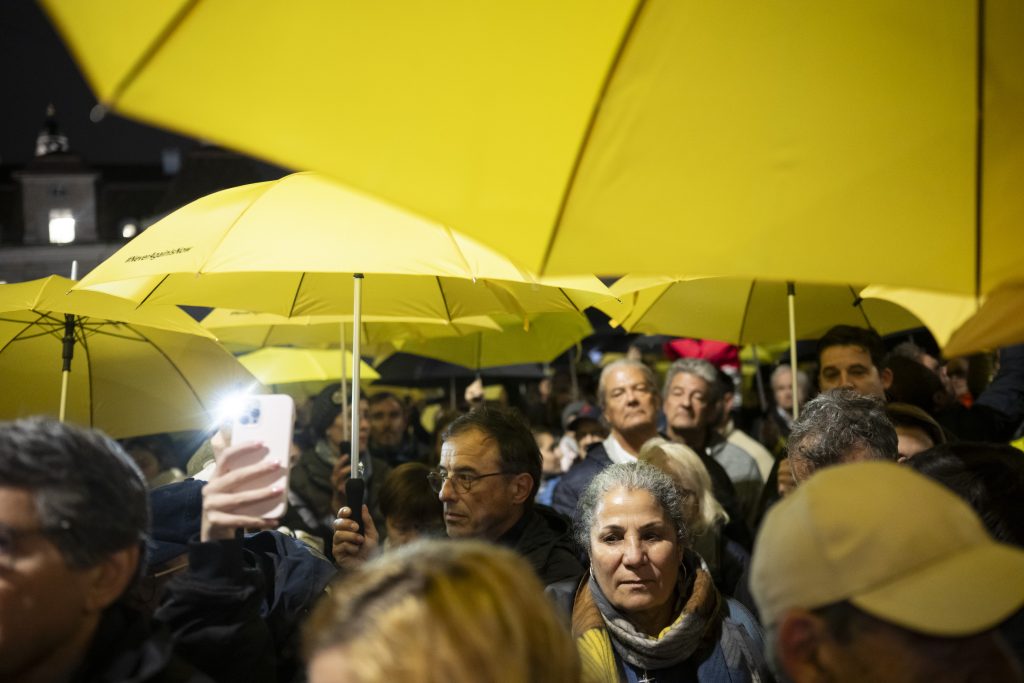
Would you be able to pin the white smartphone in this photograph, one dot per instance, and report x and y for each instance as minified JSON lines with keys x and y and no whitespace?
{"x":269,"y":419}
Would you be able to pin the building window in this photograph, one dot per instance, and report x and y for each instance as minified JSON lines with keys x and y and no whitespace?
{"x":62,"y":226}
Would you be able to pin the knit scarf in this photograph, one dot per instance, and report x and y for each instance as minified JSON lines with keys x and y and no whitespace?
{"x":678,"y":641}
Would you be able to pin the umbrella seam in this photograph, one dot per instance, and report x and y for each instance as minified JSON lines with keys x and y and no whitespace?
{"x":27,"y":326}
{"x":578,"y":162}
{"x":444,"y":298}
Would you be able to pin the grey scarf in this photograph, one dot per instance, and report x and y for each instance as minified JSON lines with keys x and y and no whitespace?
{"x":698,"y":612}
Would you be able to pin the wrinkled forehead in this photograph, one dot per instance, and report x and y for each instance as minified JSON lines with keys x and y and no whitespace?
{"x":470,"y":449}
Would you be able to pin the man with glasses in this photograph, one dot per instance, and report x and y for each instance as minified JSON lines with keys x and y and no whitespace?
{"x":488,"y":476}
{"x":73,"y":516}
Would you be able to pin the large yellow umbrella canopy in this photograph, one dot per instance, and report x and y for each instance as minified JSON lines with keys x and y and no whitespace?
{"x":291,"y":246}
{"x":870,"y":141}
{"x":745,"y":311}
{"x":159,"y":373}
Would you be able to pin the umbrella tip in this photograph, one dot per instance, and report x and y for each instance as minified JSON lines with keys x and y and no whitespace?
{"x":98,"y":113}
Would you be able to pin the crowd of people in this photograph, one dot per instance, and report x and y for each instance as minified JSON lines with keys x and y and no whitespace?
{"x":648,"y":532}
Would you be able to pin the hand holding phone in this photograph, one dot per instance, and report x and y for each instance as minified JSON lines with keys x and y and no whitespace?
{"x":267,"y":420}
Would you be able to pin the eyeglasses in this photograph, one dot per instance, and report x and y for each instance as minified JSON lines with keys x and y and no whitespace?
{"x":9,"y":539}
{"x":463,"y":481}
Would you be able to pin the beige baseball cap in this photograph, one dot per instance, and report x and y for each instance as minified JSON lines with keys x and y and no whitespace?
{"x":894,"y":543}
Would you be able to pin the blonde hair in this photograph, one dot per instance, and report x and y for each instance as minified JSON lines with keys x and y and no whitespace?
{"x":681,"y":463}
{"x":461,"y":611}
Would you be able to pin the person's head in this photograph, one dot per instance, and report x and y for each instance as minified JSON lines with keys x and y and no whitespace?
{"x":440,"y":611}
{"x":388,"y":420}
{"x":989,"y":476}
{"x":489,"y":473}
{"x":328,"y":421}
{"x":852,"y":588}
{"x":410,"y":508}
{"x":854,"y":358}
{"x":916,"y":430}
{"x":627,"y":392}
{"x":782,"y":386}
{"x":630,"y":521}
{"x":701,"y":510}
{"x":74,"y":511}
{"x":550,"y":455}
{"x":840,"y":426}
{"x":583,"y":422}
{"x":693,"y":393}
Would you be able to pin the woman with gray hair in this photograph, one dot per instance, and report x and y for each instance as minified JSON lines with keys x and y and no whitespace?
{"x":649,"y":610}
{"x":703,"y":515}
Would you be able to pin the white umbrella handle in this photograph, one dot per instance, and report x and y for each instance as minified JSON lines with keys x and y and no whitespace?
{"x":355,"y":487}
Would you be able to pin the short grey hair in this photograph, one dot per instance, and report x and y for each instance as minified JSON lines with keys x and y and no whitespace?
{"x":632,"y":476}
{"x":624,"y":363}
{"x":699,"y":368}
{"x":837,"y":422}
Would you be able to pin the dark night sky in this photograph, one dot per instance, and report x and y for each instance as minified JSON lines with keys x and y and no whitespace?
{"x":35,"y":70}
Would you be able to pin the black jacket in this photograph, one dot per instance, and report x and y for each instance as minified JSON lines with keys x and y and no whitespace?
{"x":544,"y":539}
{"x":575,"y":481}
{"x":125,"y":649}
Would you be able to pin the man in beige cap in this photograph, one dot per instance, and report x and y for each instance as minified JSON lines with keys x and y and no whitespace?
{"x":871,"y":572}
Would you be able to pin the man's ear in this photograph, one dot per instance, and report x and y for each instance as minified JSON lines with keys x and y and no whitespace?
{"x":108,"y":580}
{"x":886,"y":376}
{"x":522,"y":486}
{"x":799,"y":639}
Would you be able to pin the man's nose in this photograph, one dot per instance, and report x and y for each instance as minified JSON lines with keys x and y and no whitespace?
{"x":447,"y":492}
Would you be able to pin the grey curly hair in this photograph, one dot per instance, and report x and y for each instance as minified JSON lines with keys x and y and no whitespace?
{"x":632,"y":476}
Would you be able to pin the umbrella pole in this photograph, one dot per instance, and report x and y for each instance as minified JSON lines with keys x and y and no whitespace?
{"x":344,"y":374}
{"x":574,"y":380}
{"x":69,"y":351}
{"x":66,"y":355}
{"x":791,"y":295}
{"x":355,"y":487}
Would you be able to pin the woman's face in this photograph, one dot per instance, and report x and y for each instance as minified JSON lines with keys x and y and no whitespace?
{"x":635,"y":553}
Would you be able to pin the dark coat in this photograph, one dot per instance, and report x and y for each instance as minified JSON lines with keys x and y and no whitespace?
{"x":546,"y":543}
{"x":125,"y":649}
{"x":575,"y":481}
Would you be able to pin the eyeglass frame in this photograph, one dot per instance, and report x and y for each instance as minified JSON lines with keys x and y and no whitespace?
{"x":462,"y":481}
{"x":7,"y":556}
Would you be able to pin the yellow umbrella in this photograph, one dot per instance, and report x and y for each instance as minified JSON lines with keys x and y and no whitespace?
{"x":965,"y":324}
{"x":870,"y":141}
{"x":242,"y":331}
{"x":160,"y":372}
{"x":275,"y":365}
{"x":548,"y":335}
{"x":291,"y":247}
{"x":745,"y":311}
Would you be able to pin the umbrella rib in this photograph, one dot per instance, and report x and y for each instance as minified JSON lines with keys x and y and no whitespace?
{"x":746,"y":309}
{"x":581,"y":150}
{"x":444,"y":299}
{"x":28,"y":326}
{"x":162,"y":38}
{"x":174,"y":367}
{"x":295,"y":297}
{"x":163,"y":279}
{"x":980,"y":147}
{"x":569,"y":299}
{"x":858,"y":303}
